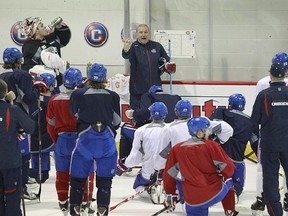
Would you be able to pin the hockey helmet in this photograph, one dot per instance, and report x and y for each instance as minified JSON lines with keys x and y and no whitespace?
{"x":237,"y":102}
{"x":198,"y":123}
{"x":11,"y":55}
{"x":157,"y":194}
{"x":155,"y":88}
{"x":278,"y":70}
{"x":97,"y":72}
{"x":29,"y":26}
{"x":281,"y":57}
{"x":183,"y":108}
{"x":72,"y":77}
{"x":158,"y":111}
{"x":48,"y":78}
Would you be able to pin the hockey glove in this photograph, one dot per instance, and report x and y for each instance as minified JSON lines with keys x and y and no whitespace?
{"x":129,"y":113}
{"x":170,"y":67}
{"x":156,"y":177}
{"x":121,"y":168}
{"x":40,"y":85}
{"x":21,"y":134}
{"x":170,"y":202}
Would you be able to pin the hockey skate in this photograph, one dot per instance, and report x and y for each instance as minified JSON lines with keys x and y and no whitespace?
{"x":102,"y":211}
{"x":285,"y":203}
{"x":75,"y":211}
{"x":231,"y":213}
{"x":27,"y":194}
{"x":258,"y":207}
{"x":91,"y":210}
{"x":64,"y":207}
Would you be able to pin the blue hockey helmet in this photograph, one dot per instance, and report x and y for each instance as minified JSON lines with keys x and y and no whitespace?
{"x":11,"y":55}
{"x":97,"y":73}
{"x":183,"y":108}
{"x":72,"y":77}
{"x":155,"y":88}
{"x":48,"y":78}
{"x":237,"y":102}
{"x":198,"y":123}
{"x":158,"y":111}
{"x":281,"y":57}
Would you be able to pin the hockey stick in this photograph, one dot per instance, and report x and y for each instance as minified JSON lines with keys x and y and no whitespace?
{"x":23,"y":204}
{"x":40,"y":148}
{"x":170,"y":74}
{"x":165,"y":208}
{"x":131,"y":197}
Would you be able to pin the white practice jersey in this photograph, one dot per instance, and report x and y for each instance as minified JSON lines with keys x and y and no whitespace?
{"x":222,"y":130}
{"x":264,"y":83}
{"x":145,"y":144}
{"x":174,"y":133}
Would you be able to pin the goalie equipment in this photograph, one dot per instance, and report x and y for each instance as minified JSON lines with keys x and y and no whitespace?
{"x":158,"y":111}
{"x":29,"y":26}
{"x":97,"y":73}
{"x":157,"y":194}
{"x":237,"y":102}
{"x":183,"y":108}
{"x":37,"y":70}
{"x":11,"y":55}
{"x":72,"y":77}
{"x":52,"y":60}
{"x":198,"y":123}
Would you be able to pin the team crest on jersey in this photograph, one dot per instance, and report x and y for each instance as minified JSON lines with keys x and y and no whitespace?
{"x":16,"y":34}
{"x":96,"y":34}
{"x":153,"y":51}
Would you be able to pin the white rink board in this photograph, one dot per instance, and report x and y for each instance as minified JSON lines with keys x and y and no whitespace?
{"x":198,"y":94}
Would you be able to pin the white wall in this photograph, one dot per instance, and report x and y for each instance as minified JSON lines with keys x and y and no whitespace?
{"x":235,"y":40}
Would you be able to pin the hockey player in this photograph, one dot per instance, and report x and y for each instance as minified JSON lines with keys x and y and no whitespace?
{"x":12,"y":119}
{"x":144,"y":69}
{"x":46,"y":142}
{"x":61,"y":126}
{"x":144,"y":147}
{"x":268,"y":110}
{"x":155,"y":94}
{"x":200,"y":162}
{"x":20,"y":82}
{"x":259,"y":206}
{"x":39,"y":38}
{"x":177,"y":132}
{"x":141,"y":115}
{"x":244,"y":130}
{"x":98,"y":116}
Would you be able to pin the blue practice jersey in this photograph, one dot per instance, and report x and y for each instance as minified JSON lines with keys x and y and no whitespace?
{"x":244,"y":130}
{"x":92,"y":105}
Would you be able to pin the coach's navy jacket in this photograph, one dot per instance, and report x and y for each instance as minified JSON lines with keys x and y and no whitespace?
{"x":12,"y":118}
{"x":270,"y":110}
{"x":144,"y":68}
